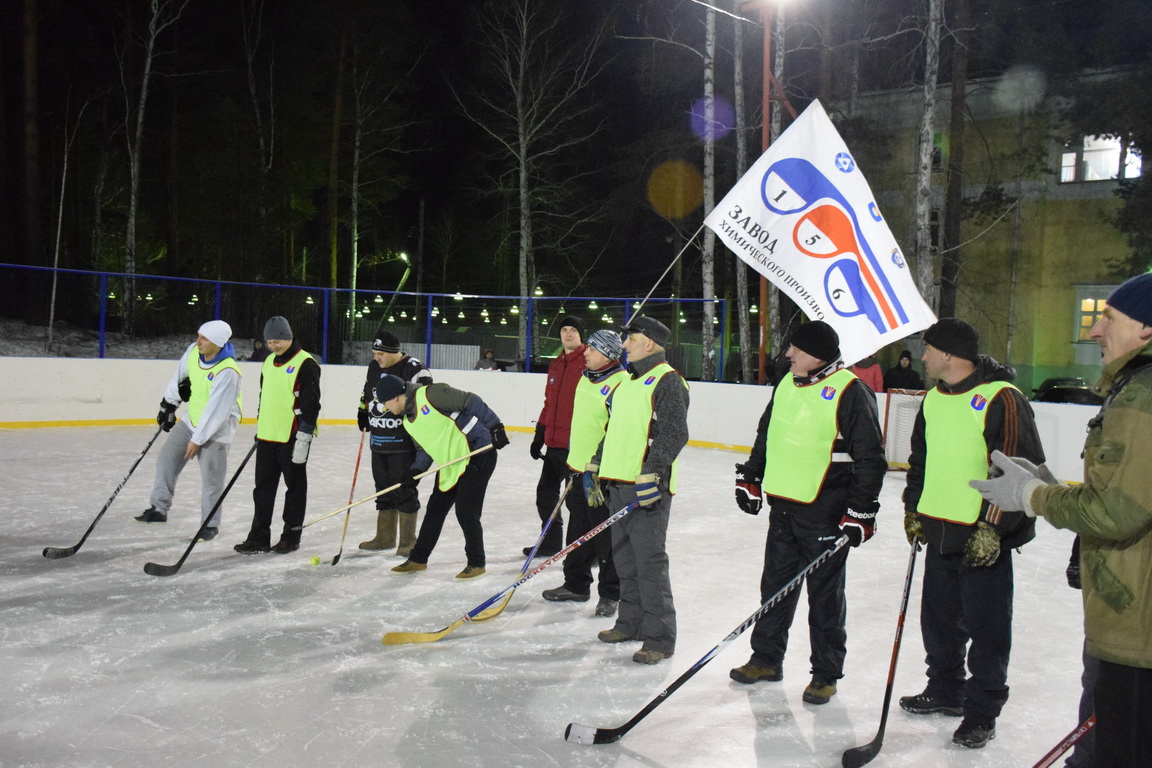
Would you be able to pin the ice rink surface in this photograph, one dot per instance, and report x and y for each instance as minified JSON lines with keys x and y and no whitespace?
{"x":269,"y":661}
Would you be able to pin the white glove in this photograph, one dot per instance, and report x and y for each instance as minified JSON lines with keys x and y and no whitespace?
{"x":303,"y":445}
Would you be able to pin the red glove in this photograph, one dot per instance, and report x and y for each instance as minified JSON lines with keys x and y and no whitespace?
{"x":858,"y":526}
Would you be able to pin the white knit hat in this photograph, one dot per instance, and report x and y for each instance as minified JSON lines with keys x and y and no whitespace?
{"x":216,"y":331}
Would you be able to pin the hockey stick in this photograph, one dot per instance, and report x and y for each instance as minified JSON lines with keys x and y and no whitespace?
{"x":1067,"y":743}
{"x":586,"y":734}
{"x":478,"y":613}
{"x":155,"y":569}
{"x":55,"y":553}
{"x":858,"y":756}
{"x":351,"y":493}
{"x":494,"y":612}
{"x":390,"y":488}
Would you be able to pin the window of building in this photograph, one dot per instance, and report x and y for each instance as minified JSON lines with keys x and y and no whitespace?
{"x":1090,"y":303}
{"x":1098,"y":159}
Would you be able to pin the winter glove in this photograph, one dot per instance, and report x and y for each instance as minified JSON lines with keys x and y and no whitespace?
{"x":537,"y":449}
{"x":592,"y":491}
{"x":166,"y":419}
{"x":499,"y":437}
{"x":858,"y":526}
{"x":184,"y":389}
{"x":1012,"y":489}
{"x":303,"y":445}
{"x":912,"y":528}
{"x":362,"y":420}
{"x":983,"y":546}
{"x":647,"y":489}
{"x":748,"y":493}
{"x":1039,"y":472}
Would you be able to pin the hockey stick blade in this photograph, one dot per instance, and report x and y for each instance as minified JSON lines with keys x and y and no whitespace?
{"x":155,"y":569}
{"x":583,"y":734}
{"x":862,"y":755}
{"x":409,"y":638}
{"x":56,"y":553}
{"x":586,"y":734}
{"x":485,"y":611}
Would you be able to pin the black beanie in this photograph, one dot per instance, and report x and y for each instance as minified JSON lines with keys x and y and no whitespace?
{"x":576,"y":323}
{"x":818,"y":339}
{"x":385,"y":341}
{"x":388,"y":387}
{"x":955,"y":337}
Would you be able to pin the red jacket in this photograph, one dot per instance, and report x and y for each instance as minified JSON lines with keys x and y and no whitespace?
{"x":870,"y":375}
{"x":559,"y":393}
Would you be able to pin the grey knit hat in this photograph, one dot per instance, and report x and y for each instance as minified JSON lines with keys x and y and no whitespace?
{"x":278,"y":328}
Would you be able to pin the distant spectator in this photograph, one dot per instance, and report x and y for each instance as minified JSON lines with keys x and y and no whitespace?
{"x":903,"y":375}
{"x":487,"y":362}
{"x":259,"y":351}
{"x":869,"y":372}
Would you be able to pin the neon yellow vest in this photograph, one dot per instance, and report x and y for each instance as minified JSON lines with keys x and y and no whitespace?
{"x":626,"y":441}
{"x":278,"y":398}
{"x":957,"y":452}
{"x":801,"y":436}
{"x":440,"y":438}
{"x":590,"y":418}
{"x":201,"y":381}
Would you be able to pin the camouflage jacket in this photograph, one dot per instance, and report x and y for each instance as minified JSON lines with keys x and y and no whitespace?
{"x":1112,"y":512}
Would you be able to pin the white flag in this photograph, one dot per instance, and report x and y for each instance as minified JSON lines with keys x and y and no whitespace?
{"x":804,"y":217}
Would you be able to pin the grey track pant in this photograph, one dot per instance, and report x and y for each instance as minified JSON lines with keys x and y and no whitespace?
{"x":646,"y":609}
{"x":213,"y":459}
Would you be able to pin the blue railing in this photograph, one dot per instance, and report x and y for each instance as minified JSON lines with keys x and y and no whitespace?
{"x":340,"y":322}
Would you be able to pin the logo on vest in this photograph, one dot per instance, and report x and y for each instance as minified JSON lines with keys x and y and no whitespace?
{"x":211,"y":376}
{"x":290,"y":369}
{"x":979,"y":402}
{"x":425,"y":410}
{"x":648,"y":381}
{"x":828,"y":393}
{"x":604,"y":390}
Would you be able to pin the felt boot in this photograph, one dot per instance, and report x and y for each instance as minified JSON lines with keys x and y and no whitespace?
{"x":407,"y":534}
{"x":385,"y":531}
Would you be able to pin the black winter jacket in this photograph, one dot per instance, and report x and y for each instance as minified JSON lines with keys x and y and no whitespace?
{"x":1010,"y":427}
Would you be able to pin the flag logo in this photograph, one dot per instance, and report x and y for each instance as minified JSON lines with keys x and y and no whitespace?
{"x":211,"y":376}
{"x":290,"y":369}
{"x":828,"y":393}
{"x":604,"y":390}
{"x":805,"y":218}
{"x":979,"y":402}
{"x":425,"y":410}
{"x":648,"y":381}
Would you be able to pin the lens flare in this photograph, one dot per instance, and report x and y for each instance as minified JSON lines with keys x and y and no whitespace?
{"x":675,"y":189}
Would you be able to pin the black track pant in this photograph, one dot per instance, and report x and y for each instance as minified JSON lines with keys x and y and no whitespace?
{"x":272,"y":461}
{"x":468,"y":497}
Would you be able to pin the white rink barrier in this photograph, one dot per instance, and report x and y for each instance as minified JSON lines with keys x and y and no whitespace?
{"x":57,"y":392}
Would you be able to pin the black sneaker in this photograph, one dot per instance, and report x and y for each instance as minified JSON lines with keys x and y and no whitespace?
{"x":606,"y":607}
{"x":542,"y":552}
{"x":975,"y":732}
{"x":926,"y":704}
{"x":283,"y":547}
{"x":251,"y":548}
{"x":561,"y":594}
{"x":208,"y":534}
{"x":152,"y":515}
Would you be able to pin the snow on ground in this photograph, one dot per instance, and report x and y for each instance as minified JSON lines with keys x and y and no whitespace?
{"x":268,"y":661}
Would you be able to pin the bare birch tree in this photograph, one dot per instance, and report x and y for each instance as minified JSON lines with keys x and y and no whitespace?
{"x":162,"y":14}
{"x":925,"y":272}
{"x":708,"y":252}
{"x":532,"y":102}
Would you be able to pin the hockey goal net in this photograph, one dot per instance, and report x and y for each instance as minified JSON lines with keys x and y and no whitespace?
{"x":899,"y":417}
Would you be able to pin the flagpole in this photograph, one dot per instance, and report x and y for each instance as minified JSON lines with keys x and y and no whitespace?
{"x":666,"y":271}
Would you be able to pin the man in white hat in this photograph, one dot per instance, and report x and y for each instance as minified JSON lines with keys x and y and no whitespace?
{"x":208,"y":378}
